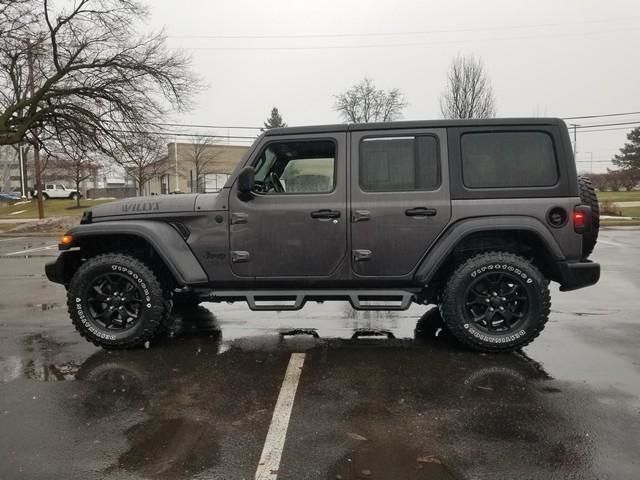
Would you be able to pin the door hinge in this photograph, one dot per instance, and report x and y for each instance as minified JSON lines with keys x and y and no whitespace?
{"x":240,"y":256}
{"x":361,"y":255}
{"x":237,"y":218}
{"x":360,"y":215}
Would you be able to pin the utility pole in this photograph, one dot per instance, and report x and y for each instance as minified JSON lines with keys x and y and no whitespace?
{"x":36,"y":143}
{"x":575,"y":139}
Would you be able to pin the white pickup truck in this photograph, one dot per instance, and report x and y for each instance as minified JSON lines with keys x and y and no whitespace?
{"x":52,"y":190}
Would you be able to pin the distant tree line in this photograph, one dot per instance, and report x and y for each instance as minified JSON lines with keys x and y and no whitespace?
{"x":615,"y":180}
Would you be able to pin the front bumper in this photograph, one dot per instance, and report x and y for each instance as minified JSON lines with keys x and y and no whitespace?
{"x":574,"y":275}
{"x":54,"y":270}
{"x":62,"y":268}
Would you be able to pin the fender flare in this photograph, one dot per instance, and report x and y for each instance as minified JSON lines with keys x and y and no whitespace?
{"x":460,"y":230}
{"x":162,"y":237}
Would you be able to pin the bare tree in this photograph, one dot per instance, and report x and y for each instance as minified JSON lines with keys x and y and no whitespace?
{"x":142,"y":158}
{"x":365,"y":103}
{"x":203,"y":157}
{"x":95,"y":74}
{"x":468,"y":93}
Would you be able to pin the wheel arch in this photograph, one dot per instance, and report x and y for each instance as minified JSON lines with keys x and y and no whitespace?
{"x":516,"y":234}
{"x":162,"y":239}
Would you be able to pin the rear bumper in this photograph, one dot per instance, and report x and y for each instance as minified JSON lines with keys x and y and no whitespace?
{"x":574,"y":275}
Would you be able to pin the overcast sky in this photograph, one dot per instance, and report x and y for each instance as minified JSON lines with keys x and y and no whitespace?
{"x":545,"y":58}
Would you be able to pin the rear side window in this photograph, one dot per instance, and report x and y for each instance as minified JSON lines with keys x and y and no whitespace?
{"x":508,"y":159}
{"x":398,"y":164}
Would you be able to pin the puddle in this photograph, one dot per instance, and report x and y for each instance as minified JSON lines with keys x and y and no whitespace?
{"x":390,"y":461}
{"x":169,"y":448}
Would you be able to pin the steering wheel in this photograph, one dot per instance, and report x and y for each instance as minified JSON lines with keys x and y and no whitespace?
{"x":275,"y":182}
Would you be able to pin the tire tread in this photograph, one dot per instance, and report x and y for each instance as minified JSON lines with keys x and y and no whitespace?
{"x":451,"y":294}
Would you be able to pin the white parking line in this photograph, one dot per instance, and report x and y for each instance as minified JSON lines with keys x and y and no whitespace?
{"x":30,"y":250}
{"x":12,"y":239}
{"x":274,"y":443}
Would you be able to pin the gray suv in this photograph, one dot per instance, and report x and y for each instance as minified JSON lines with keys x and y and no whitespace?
{"x":476,"y":216}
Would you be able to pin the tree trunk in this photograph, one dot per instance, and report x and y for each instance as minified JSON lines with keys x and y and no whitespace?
{"x":77,"y":192}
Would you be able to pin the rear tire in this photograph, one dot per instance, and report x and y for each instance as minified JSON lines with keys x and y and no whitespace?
{"x":116,"y":301}
{"x":73,"y":196}
{"x":588,"y":197}
{"x":496,"y":302}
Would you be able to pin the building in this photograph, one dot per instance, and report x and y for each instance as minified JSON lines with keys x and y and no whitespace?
{"x":178,"y":170}
{"x":10,"y":177}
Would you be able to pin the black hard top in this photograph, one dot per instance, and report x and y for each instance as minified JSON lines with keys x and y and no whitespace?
{"x":351,"y":127}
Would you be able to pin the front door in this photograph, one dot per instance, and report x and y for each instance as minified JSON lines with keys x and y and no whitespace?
{"x":399,"y":198}
{"x":295,"y":222}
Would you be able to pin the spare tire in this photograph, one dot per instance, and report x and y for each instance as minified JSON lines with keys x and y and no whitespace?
{"x":589,"y":198}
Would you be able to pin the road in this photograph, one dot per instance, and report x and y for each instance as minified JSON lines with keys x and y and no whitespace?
{"x":211,"y":400}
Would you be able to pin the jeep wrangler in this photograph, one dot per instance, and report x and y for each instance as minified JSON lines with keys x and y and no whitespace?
{"x":475,"y":216}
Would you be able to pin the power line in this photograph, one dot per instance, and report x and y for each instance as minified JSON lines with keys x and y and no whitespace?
{"x":394,"y":45}
{"x":605,"y":130}
{"x":601,"y":115}
{"x":607,"y":124}
{"x":390,"y":34}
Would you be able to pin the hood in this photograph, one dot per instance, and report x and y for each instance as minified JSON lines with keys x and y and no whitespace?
{"x":155,"y":204}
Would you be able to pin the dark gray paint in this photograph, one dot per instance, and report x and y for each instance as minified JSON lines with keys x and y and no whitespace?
{"x":164,"y":239}
{"x":458,"y":231}
{"x":280,"y":235}
{"x":396,"y":241}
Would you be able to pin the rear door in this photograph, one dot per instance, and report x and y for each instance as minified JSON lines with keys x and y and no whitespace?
{"x":399,"y":198}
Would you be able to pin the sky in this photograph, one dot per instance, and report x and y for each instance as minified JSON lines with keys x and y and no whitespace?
{"x":545,"y":58}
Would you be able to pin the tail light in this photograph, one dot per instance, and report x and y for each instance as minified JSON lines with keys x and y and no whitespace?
{"x":582,"y":219}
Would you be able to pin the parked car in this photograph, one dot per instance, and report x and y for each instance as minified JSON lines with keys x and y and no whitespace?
{"x":9,"y":197}
{"x":57,"y":190}
{"x":475,"y":216}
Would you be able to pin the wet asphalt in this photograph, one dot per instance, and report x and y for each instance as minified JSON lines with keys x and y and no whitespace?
{"x":198,"y":404}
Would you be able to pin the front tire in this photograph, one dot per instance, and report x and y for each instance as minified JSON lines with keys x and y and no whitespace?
{"x":496,"y":302}
{"x":116,"y":301}
{"x":73,"y":196}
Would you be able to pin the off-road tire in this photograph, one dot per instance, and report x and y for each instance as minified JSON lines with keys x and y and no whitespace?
{"x":73,"y":196}
{"x":154,"y":312}
{"x":45,"y":196}
{"x":454,"y":300}
{"x":588,"y":197}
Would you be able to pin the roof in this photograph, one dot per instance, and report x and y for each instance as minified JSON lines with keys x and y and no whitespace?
{"x":351,"y":127}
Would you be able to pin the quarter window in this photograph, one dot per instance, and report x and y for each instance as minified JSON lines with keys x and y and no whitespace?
{"x":397,"y":164}
{"x":508,"y":159}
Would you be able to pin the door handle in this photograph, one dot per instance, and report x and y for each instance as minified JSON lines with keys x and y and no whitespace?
{"x":420,"y":212}
{"x":325,"y":213}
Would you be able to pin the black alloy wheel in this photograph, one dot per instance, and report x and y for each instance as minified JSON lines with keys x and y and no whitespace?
{"x":496,"y":302}
{"x":115,"y":302}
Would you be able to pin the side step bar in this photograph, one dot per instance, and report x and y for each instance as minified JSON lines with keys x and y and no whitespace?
{"x":296,"y":299}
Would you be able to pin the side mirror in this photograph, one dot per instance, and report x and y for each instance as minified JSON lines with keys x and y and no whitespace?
{"x":246,"y":180}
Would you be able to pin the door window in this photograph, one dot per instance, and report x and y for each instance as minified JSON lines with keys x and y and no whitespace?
{"x":296,"y":167}
{"x":399,"y":164}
